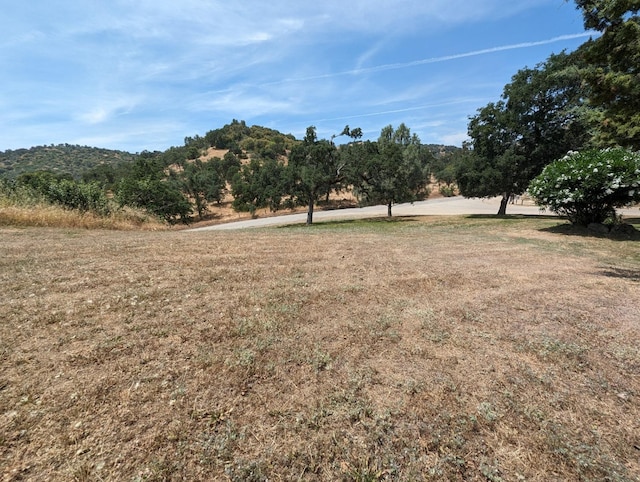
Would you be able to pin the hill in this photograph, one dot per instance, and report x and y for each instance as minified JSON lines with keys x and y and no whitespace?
{"x":61,"y":159}
{"x":236,"y":136}
{"x":441,"y":150}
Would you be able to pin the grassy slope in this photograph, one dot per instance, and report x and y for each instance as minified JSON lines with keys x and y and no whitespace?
{"x":445,"y":349}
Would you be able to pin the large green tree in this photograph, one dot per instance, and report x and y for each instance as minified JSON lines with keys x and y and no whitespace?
{"x":613,"y":69}
{"x":394,"y":169}
{"x":541,"y":116}
{"x":258,"y":184}
{"x":314,"y":168}
{"x":203,"y":183}
{"x":146,"y":186}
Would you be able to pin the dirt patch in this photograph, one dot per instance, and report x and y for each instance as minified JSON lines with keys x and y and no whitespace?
{"x":451,"y":349}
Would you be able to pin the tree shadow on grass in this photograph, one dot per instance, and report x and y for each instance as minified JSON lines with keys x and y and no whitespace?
{"x":512,"y":216}
{"x":567,"y":229}
{"x":624,"y":273}
{"x":372,"y":221}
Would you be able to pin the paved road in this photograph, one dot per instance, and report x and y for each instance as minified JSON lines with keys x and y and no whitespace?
{"x":440,"y":206}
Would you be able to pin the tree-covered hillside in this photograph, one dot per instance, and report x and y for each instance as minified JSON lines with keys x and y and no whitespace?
{"x":440,"y":150}
{"x":61,"y":159}
{"x":246,"y":167}
{"x":80,"y":161}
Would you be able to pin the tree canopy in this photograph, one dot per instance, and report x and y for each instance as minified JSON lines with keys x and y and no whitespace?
{"x":394,"y":169}
{"x":259,"y":184}
{"x":314,"y":169}
{"x":541,"y":116}
{"x":261,"y":168}
{"x":612,"y":69}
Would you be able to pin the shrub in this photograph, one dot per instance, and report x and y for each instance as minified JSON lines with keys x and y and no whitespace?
{"x":588,"y":186}
{"x":447,"y":190}
{"x":43,"y":186}
{"x":158,"y":197}
{"x":81,"y":196}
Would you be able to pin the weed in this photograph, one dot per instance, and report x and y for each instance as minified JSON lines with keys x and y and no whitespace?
{"x":320,"y":360}
{"x":490,"y":471}
{"x":365,"y":469}
{"x":243,"y":357}
{"x":488,"y":412}
{"x":82,"y":473}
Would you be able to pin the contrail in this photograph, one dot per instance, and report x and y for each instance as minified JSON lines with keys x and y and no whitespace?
{"x":396,"y":111}
{"x":433,"y":60}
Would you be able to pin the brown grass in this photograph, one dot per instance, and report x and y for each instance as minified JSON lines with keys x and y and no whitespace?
{"x":420,"y":349}
{"x":48,"y":215}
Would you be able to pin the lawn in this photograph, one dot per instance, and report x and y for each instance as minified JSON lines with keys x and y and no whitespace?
{"x":419,"y":349}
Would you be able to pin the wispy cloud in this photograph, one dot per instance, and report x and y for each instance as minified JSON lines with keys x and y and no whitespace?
{"x":405,"y":109}
{"x":433,"y":60}
{"x":134,"y":73}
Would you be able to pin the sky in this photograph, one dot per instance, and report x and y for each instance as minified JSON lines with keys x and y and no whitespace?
{"x":140,"y":75}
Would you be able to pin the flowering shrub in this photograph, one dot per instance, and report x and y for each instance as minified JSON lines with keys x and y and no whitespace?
{"x":587,"y":186}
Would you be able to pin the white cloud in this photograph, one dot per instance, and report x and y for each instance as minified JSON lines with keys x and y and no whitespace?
{"x":103,"y":110}
{"x":241,"y":104}
{"x":454,"y":139}
{"x":93,"y":67}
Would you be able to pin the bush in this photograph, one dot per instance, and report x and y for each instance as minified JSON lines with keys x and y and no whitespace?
{"x":588,"y":186}
{"x":81,"y":196}
{"x":447,"y":190}
{"x":158,"y":197}
{"x":43,"y":186}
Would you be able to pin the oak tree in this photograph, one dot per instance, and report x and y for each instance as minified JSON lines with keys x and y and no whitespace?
{"x":541,"y":116}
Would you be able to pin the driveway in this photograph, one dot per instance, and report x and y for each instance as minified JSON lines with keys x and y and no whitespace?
{"x":435,"y":207}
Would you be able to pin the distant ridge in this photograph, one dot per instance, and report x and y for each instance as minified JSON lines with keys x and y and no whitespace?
{"x":61,"y":159}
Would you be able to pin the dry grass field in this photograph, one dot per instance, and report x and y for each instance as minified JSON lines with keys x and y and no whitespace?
{"x":418,"y":349}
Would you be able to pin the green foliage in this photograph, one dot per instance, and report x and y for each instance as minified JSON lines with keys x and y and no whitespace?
{"x":314,"y":169}
{"x":158,"y":196}
{"x":204,"y":183}
{"x":444,"y":167}
{"x":613,"y":69}
{"x":104,"y":174}
{"x":147,"y":186}
{"x":229,"y":166}
{"x":602,"y":14}
{"x":177,"y":156}
{"x":79,"y":195}
{"x":393,"y":170}
{"x":541,"y":116}
{"x":63,"y":159}
{"x":149,"y":165}
{"x":587,"y":186}
{"x":259,"y":184}
{"x":447,"y":190}
{"x":39,"y":181}
{"x":173,"y":183}
{"x":65,"y":191}
{"x":237,"y":136}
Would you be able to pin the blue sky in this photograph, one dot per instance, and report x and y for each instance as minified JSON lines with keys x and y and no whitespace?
{"x":143,"y":74}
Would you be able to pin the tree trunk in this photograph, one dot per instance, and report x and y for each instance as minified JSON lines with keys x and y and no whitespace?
{"x":310,"y":211}
{"x":503,"y":204}
{"x":389,"y":209}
